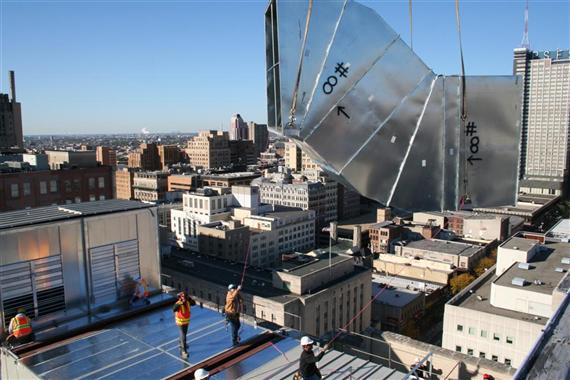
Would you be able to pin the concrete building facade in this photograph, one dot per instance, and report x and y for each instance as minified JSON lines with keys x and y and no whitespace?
{"x":150,"y":186}
{"x":209,"y":150}
{"x":545,"y":143}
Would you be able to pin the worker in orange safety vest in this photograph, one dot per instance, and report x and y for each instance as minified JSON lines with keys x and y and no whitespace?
{"x":181,"y":311}
{"x":20,"y":328}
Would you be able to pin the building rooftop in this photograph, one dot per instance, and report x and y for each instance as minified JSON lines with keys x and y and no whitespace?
{"x":316,"y":265}
{"x":468,"y":298}
{"x":37,"y":215}
{"x":542,"y":267}
{"x":519,"y":243}
{"x":232,"y":175}
{"x":445,"y":246}
{"x":393,"y":296}
{"x":560,"y":231}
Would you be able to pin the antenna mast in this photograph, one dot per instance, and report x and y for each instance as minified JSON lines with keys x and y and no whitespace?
{"x":524,"y":42}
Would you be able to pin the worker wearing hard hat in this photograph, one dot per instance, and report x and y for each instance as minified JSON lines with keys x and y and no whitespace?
{"x":232,"y":309}
{"x":181,"y":311}
{"x":20,"y":328}
{"x":201,"y":374}
{"x":308,"y":362}
{"x":141,"y":292}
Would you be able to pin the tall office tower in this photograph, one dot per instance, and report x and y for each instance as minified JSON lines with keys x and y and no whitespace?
{"x":293,"y":156}
{"x":238,"y":128}
{"x":545,"y":142}
{"x":259,"y":135}
{"x":10,"y":118}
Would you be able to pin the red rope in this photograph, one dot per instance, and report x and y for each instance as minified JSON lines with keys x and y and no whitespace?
{"x":247,"y":250}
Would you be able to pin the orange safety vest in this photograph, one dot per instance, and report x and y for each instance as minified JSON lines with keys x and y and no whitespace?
{"x":183,"y":314}
{"x":142,"y":282}
{"x":22,"y":326}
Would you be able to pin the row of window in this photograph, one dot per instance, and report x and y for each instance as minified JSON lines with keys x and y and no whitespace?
{"x":484,"y":334}
{"x":482,"y":355}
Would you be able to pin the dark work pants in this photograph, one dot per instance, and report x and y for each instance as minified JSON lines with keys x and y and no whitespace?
{"x":183,"y":329}
{"x":235,"y":326}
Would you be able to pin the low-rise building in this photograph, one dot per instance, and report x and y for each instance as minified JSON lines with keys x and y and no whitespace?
{"x":183,"y":182}
{"x":106,"y":156}
{"x":60,"y":159}
{"x":420,"y":269}
{"x":124,"y":183}
{"x":383,"y":235}
{"x":168,"y":155}
{"x":459,"y":255}
{"x":24,"y":189}
{"x":314,"y":295}
{"x":478,"y":226}
{"x":145,"y":157}
{"x":227,"y":179}
{"x":501,"y":314}
{"x":150,"y":186}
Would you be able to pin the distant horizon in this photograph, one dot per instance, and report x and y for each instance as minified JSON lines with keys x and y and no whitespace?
{"x":187,"y":66}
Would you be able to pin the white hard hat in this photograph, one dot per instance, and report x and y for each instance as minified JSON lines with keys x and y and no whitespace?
{"x":306,"y":340}
{"x":231,"y":286}
{"x":201,"y":373}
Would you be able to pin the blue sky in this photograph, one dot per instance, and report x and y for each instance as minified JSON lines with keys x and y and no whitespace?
{"x":119,"y":66}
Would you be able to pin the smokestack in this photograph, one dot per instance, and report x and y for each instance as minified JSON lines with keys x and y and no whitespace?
{"x":13,"y":85}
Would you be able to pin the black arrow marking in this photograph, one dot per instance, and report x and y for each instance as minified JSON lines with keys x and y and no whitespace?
{"x":339,"y":110}
{"x":471,"y":159}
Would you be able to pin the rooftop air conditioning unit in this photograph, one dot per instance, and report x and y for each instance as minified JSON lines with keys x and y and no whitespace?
{"x":559,"y":270}
{"x":565,"y":260}
{"x":518,"y":281}
{"x":525,"y":266}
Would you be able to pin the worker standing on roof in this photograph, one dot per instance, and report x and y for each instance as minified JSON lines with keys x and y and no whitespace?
{"x":20,"y":328}
{"x":141,"y":292}
{"x":182,"y":317}
{"x":232,"y":309}
{"x":308,"y":362}
{"x":201,"y":374}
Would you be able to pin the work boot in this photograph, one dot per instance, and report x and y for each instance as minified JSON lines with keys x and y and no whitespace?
{"x":147,"y":302}
{"x":184,"y":355}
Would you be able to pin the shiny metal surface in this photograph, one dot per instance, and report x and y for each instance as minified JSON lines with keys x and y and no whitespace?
{"x":379,"y":119}
{"x":141,"y":348}
{"x":281,"y":361}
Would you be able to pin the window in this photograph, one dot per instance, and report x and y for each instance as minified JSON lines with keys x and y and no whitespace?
{"x":495,"y":358}
{"x":459,"y":327}
{"x":67,"y":185}
{"x":14,"y":190}
{"x":510,"y":340}
{"x":101,"y":197}
{"x":53,"y":186}
{"x":482,"y":355}
{"x":483,"y":333}
{"x":27,"y":188}
{"x":469,"y":351}
{"x":91,"y":183}
{"x":77,"y":199}
{"x":496,"y":337}
{"x":472,"y":330}
{"x":43,"y":187}
{"x":91,"y":198}
{"x":101,"y":182}
{"x":507,"y":361}
{"x":458,"y":348}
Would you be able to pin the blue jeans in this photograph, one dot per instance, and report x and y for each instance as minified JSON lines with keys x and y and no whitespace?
{"x":235,"y":326}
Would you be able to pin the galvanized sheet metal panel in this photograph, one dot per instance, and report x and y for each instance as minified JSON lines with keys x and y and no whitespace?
{"x":368,"y":122}
{"x":103,"y":275}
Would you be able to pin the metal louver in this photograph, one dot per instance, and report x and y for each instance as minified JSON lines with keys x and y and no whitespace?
{"x":373,"y":115}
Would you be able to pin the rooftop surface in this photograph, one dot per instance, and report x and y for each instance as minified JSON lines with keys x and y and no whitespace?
{"x":542,"y":267}
{"x":392,"y":296}
{"x":232,"y":175}
{"x":483,"y":288}
{"x":444,"y":246}
{"x":317,"y":264}
{"x":560,"y":231}
{"x":37,"y":215}
{"x":144,"y":347}
{"x":519,"y":243}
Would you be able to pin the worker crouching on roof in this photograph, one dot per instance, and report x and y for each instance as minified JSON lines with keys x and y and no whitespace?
{"x":308,"y":362}
{"x":20,"y":329}
{"x":182,"y":317}
{"x":141,"y":292}
{"x":232,"y":309}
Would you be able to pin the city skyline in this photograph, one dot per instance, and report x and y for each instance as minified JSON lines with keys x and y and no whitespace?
{"x":131,"y":65}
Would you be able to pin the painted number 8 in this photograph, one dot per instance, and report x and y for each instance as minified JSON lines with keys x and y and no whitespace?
{"x":328,"y":86}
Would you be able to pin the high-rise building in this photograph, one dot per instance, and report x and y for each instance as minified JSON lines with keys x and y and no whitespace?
{"x":259,"y":135}
{"x":242,"y":152}
{"x":168,"y":154}
{"x":145,"y":157}
{"x":209,"y":150}
{"x":124,"y":183}
{"x":106,"y":156}
{"x":10,"y":118}
{"x":238,"y":128}
{"x":545,"y":139}
{"x":293,"y":156}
